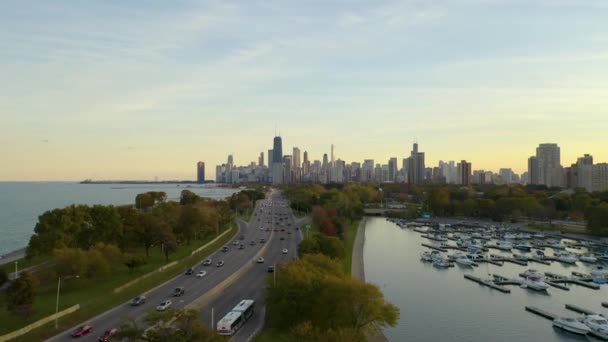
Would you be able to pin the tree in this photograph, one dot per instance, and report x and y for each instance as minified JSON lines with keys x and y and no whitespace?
{"x":188,"y":197}
{"x":597,"y":219}
{"x":21,"y":293}
{"x":439,"y":201}
{"x":3,"y":277}
{"x":189,"y":223}
{"x":133,"y":262}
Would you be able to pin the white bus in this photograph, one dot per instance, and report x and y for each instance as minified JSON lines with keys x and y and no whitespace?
{"x":235,"y":319}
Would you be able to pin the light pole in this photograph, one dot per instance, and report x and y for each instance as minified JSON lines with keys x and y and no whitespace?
{"x":16,"y":269}
{"x":57,"y":302}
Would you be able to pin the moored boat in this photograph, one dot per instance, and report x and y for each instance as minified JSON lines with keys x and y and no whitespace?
{"x":572,"y":325}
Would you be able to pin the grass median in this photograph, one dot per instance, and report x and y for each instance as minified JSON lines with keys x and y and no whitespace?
{"x":96,"y":297}
{"x":349,"y":242}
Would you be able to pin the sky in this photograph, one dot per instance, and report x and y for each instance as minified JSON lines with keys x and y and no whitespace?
{"x":137,"y":90}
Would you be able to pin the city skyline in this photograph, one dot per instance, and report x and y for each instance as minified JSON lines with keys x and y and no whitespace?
{"x":124,"y":91}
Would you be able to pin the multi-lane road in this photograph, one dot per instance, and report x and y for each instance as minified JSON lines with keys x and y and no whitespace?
{"x":247,"y":278}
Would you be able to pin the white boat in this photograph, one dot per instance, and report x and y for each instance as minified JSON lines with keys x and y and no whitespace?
{"x":590,"y":258}
{"x":426,"y":256}
{"x":603,"y":256}
{"x":599,"y":271}
{"x":476,"y":235}
{"x":510,"y":236}
{"x":504,"y":245}
{"x":572,"y":325}
{"x":457,"y":255}
{"x":536,"y":283}
{"x":557,"y":245}
{"x":474,"y":256}
{"x":464,"y":261}
{"x":566,"y":258}
{"x":474,"y":246}
{"x":524,"y":236}
{"x":524,"y":246}
{"x":441,"y":263}
{"x":539,"y":236}
{"x":597,"y":323}
{"x":532,"y":273}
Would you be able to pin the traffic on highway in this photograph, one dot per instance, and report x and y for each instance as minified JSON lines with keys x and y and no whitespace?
{"x":271,"y":224}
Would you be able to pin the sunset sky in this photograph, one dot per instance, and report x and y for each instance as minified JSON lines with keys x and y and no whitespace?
{"x":127,"y":90}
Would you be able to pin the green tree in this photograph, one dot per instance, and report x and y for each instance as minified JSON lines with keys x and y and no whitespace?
{"x":439,"y":201}
{"x":20,"y":294}
{"x":3,"y":276}
{"x":597,"y":219}
{"x":188,"y":197}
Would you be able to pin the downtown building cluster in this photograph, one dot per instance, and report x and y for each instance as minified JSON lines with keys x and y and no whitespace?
{"x":543,"y":169}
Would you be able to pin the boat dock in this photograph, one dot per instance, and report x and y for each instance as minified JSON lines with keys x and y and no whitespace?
{"x":437,"y":248}
{"x":541,"y":312}
{"x":508,"y":259}
{"x":579,"y":309}
{"x":585,"y":282}
{"x":500,"y":280}
{"x":488,"y":283}
{"x":551,"y":283}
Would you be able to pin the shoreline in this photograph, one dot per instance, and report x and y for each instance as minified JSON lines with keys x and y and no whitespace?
{"x":358,"y":271}
{"x":12,"y":256}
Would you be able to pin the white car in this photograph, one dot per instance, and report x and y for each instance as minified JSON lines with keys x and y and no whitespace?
{"x":164,"y":305}
{"x":260,"y":260}
{"x":201,"y":274}
{"x":285,"y":251}
{"x":236,"y":242}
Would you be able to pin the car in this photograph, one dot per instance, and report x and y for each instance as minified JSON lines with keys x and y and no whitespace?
{"x":267,"y":229}
{"x":288,"y":233}
{"x":276,"y":229}
{"x":260,"y":260}
{"x":138,"y":300}
{"x":285,"y":251}
{"x":201,"y":274}
{"x":241,"y":246}
{"x":289,"y":224}
{"x":82,"y":330}
{"x":270,"y":269}
{"x":252,"y":242}
{"x":297,"y":228}
{"x":164,"y":305}
{"x":190,"y":271}
{"x":220,"y":264}
{"x":236,"y":242}
{"x":225,"y":249}
{"x":282,"y":238}
{"x":207,"y":262}
{"x":282,"y":229}
{"x":178,"y":291}
{"x":242,"y":237}
{"x":262,"y":228}
{"x":262,"y":240}
{"x":107,"y":335}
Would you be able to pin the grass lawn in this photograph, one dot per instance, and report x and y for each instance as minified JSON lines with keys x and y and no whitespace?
{"x":349,"y":242}
{"x":95,"y":296}
{"x":23,"y":263}
{"x":271,"y":335}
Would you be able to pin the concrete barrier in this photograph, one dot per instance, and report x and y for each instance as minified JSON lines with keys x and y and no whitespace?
{"x":169,"y":265}
{"x":38,"y":323}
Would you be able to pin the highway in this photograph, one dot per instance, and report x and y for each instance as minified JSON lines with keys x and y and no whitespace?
{"x":234,"y":260}
{"x":252,"y":283}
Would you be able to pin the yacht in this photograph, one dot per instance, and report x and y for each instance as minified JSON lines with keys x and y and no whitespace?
{"x":504,"y":245}
{"x":474,"y":256}
{"x":590,"y":258}
{"x":539,"y":236}
{"x":532,"y":273}
{"x":457,"y":255}
{"x":536,"y":283}
{"x":599,"y":271}
{"x":524,"y":246}
{"x":464,"y":261}
{"x":426,"y":256}
{"x":476,"y":235}
{"x":557,"y":245}
{"x":603,"y":256}
{"x":474,"y":246}
{"x":525,"y":236}
{"x":510,"y":236}
{"x":566,"y":258}
{"x":572,"y":325}
{"x":441,"y":263}
{"x":597,"y":323}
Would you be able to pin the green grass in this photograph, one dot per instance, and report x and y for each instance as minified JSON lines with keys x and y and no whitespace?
{"x":349,"y":242}
{"x":271,"y":335}
{"x":95,"y":296}
{"x":23,"y":263}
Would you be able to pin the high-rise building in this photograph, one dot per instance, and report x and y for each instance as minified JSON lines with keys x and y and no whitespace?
{"x":548,"y":165}
{"x":325,"y":166}
{"x":392,"y":169}
{"x":270,"y":155}
{"x":333,"y":155}
{"x":296,"y":165}
{"x":306,"y":164}
{"x":287,"y":169}
{"x":464,"y":173}
{"x":261,"y":159}
{"x":416,"y":170}
{"x":200,"y":172}
{"x":506,"y":175}
{"x":230,"y":160}
{"x":277,"y":161}
{"x":533,"y":170}
{"x":367,"y":170}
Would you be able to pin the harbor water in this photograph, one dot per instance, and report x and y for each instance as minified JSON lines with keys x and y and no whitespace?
{"x":22,"y":202}
{"x":440,"y":305}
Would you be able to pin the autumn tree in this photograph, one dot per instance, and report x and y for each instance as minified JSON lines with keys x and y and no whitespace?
{"x":20,"y":294}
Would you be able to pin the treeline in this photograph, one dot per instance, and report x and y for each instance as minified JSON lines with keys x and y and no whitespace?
{"x":245,"y":200}
{"x":314,"y":300}
{"x":90,"y":240}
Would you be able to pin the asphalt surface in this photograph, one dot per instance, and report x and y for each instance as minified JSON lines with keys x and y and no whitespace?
{"x":234,"y":260}
{"x":252,"y":283}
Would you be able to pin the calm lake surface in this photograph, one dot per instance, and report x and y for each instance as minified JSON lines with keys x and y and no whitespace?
{"x":440,"y":305}
{"x":22,"y":202}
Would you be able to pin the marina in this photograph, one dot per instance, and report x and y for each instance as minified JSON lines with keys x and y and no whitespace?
{"x":484,"y":296}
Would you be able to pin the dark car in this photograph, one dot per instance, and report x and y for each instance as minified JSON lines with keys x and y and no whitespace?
{"x":282,"y":229}
{"x":241,"y":246}
{"x":270,"y":269}
{"x":282,"y":238}
{"x":225,"y":249}
{"x":262,"y":240}
{"x":219,"y":264}
{"x":107,"y":335}
{"x":138,"y":300}
{"x":190,"y":271}
{"x":252,"y":242}
{"x":82,"y":330}
{"x":207,"y":262}
{"x":178,"y":291}
{"x":297,"y":228}
{"x":242,"y":237}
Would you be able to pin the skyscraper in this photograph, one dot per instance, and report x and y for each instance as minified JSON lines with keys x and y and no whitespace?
{"x":549,"y":166}
{"x":416,"y":166}
{"x":333,"y":155}
{"x":306,"y":164}
{"x":277,"y":161}
{"x":270,"y":153}
{"x":464,"y":173}
{"x":261,"y":159}
{"x":287,"y":169}
{"x":392,"y":169}
{"x":200,"y":172}
{"x":325,"y":165}
{"x":533,"y":170}
{"x":296,"y":165}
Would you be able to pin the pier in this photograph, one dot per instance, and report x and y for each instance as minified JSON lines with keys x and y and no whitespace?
{"x":551,"y":283}
{"x":585,"y":282}
{"x":488,"y":283}
{"x":441,"y":249}
{"x":579,"y":309}
{"x":541,"y":312}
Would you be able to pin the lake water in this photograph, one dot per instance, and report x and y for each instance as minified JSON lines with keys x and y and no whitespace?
{"x":440,"y":305}
{"x":22,"y":202}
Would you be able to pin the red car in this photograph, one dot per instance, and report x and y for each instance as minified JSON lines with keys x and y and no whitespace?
{"x":106,"y":336}
{"x":83,"y":330}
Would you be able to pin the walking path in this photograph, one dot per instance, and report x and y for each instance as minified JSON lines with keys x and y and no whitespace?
{"x":358,"y":271}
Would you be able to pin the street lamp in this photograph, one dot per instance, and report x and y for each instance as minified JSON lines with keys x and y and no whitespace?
{"x":57,"y":303}
{"x":16,"y":269}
